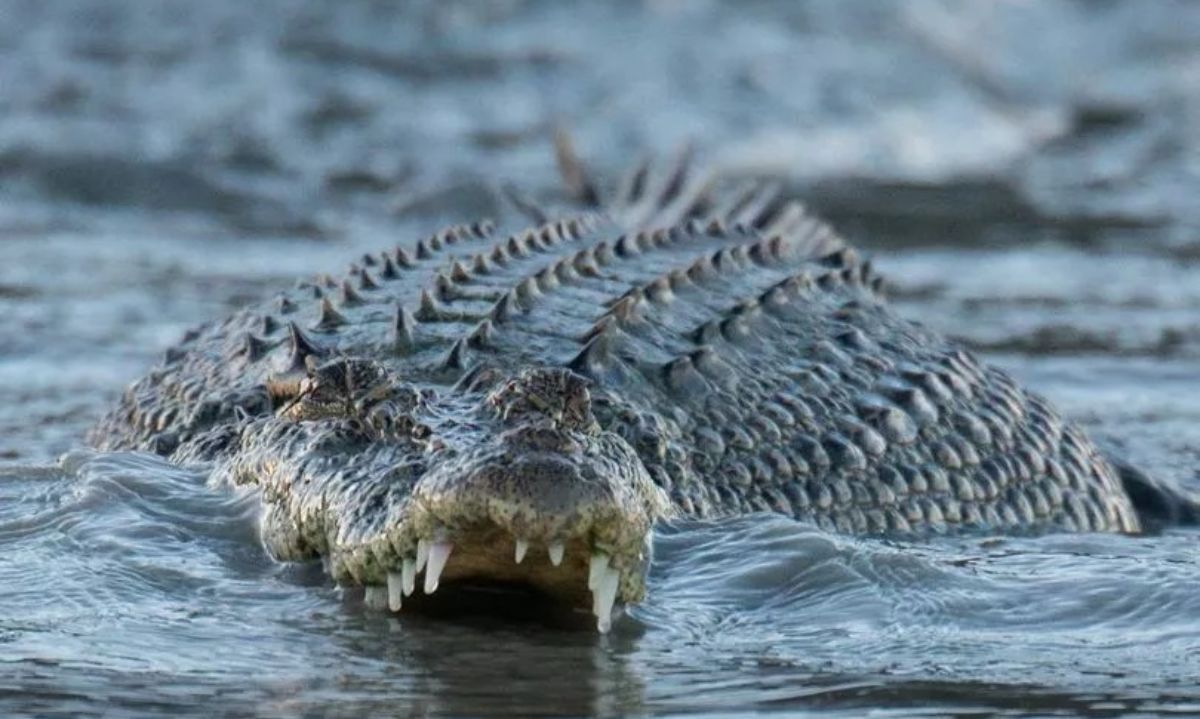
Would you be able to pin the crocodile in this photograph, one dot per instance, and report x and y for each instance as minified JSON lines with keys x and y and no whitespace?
{"x":679,"y":349}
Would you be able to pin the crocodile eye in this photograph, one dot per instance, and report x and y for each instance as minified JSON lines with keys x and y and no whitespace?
{"x":343,"y":388}
{"x":315,"y":401}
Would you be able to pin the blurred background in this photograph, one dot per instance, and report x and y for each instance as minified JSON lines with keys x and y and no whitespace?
{"x":1025,"y":173}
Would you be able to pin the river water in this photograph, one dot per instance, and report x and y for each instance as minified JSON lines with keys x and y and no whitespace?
{"x":1024,"y":173}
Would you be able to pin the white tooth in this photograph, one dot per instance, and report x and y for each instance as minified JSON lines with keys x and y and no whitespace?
{"x":394,"y":591}
{"x":522,"y":547}
{"x":408,"y":575}
{"x":604,"y":597}
{"x":438,"y":554}
{"x":597,"y":569}
{"x":422,"y":553}
{"x":375,"y":597}
{"x":556,"y":553}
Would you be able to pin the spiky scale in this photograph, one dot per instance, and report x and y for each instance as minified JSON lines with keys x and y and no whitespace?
{"x":429,"y":309}
{"x":268,"y":325}
{"x":603,"y":254}
{"x":607,"y":323}
{"x":459,"y":273}
{"x":403,"y":329}
{"x":482,"y":336}
{"x":328,"y":318}
{"x":659,"y":291}
{"x":681,"y":376}
{"x":253,"y":348}
{"x":456,"y":358}
{"x":499,"y":255}
{"x":349,"y":296}
{"x":527,"y":292}
{"x":388,"y":270}
{"x":480,"y":265}
{"x":483,"y":229}
{"x":594,"y":357}
{"x":366,"y":281}
{"x":585,"y":263}
{"x":626,"y":308}
{"x":300,"y":347}
{"x":444,"y":287}
{"x":545,"y":280}
{"x":626,"y":247}
{"x":564,"y":271}
{"x":517,"y":247}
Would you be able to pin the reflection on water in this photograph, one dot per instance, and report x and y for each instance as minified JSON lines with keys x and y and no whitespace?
{"x":159,"y":167}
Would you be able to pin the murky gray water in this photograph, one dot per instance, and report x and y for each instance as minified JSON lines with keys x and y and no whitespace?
{"x":1026,"y":174}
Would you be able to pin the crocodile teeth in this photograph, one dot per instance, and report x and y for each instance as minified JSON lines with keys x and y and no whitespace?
{"x":603,"y":598}
{"x":375,"y":597}
{"x":556,"y":553}
{"x":422,"y":553}
{"x":522,"y":548}
{"x":408,"y":575}
{"x":394,"y":591}
{"x":596,"y":570}
{"x":438,"y":554}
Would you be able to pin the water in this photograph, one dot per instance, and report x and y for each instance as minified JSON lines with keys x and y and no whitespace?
{"x":1025,"y":174}
{"x":131,"y":585}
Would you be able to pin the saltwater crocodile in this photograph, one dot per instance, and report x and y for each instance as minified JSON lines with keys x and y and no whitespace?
{"x":560,"y":389}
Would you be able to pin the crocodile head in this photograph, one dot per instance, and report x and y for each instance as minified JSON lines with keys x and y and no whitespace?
{"x":504,"y":479}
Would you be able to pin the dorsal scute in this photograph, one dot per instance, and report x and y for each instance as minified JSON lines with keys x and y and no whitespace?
{"x":554,"y":289}
{"x":588,"y":292}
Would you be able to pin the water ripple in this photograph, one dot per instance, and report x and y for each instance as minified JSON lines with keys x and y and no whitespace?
{"x":133,"y":579}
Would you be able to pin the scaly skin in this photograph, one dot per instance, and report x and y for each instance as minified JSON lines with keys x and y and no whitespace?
{"x":573,"y":383}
